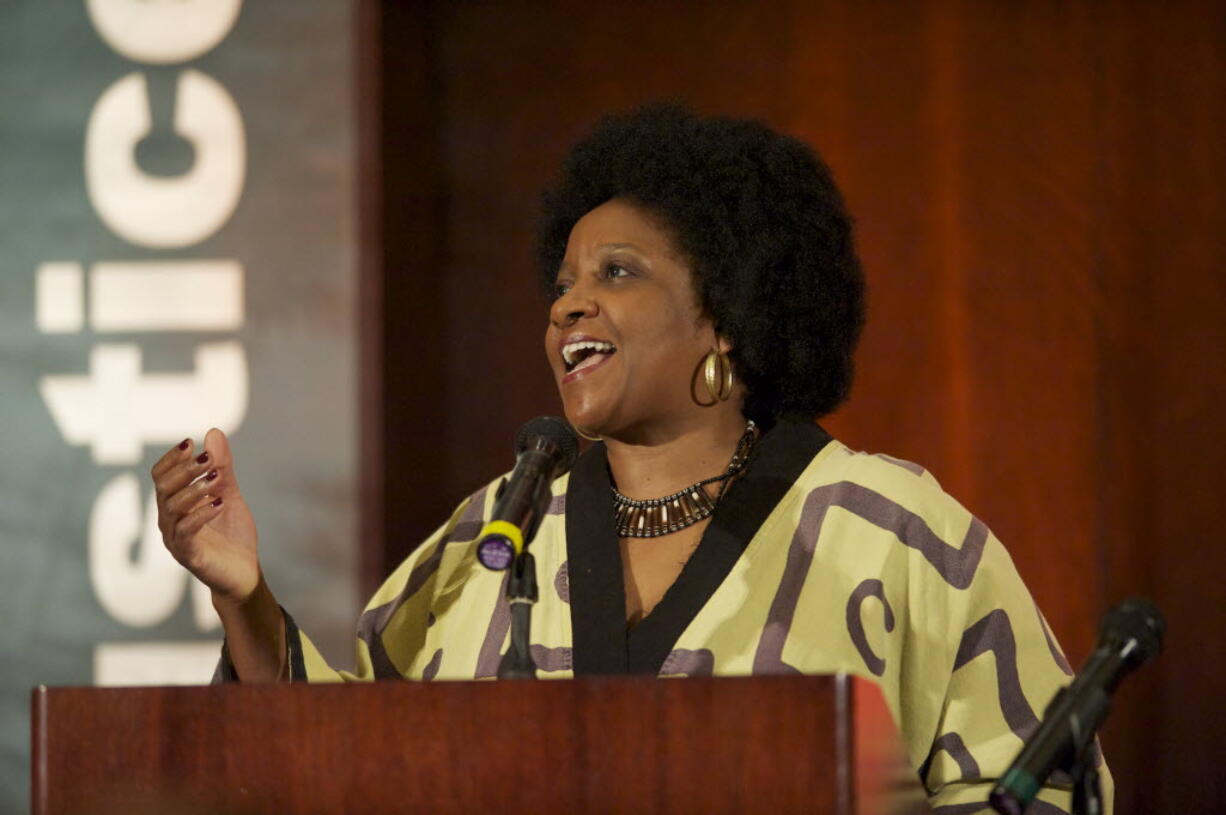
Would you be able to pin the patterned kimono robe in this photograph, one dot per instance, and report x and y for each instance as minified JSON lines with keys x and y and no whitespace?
{"x":818,"y":560}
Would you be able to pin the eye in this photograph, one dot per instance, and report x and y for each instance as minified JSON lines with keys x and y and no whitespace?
{"x":560,"y":288}
{"x":613,"y":270}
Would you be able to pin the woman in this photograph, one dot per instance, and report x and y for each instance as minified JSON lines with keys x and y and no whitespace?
{"x":706,"y":300}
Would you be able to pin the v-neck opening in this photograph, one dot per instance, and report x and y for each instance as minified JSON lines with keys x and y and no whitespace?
{"x":603,"y":644}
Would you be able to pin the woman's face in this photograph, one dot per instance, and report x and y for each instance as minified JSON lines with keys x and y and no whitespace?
{"x":626,"y":333}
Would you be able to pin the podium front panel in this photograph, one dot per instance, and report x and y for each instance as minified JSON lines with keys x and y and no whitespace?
{"x":775,"y":744}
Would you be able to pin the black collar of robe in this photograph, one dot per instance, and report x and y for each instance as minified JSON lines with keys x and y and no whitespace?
{"x":602,"y":644}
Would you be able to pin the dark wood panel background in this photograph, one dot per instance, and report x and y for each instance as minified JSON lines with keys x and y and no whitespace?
{"x":1038,"y":195}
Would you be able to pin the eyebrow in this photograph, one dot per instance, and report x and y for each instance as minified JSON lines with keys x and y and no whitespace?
{"x":605,"y":247}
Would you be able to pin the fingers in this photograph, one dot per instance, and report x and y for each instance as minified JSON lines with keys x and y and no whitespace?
{"x":180,"y":452}
{"x":183,"y":480}
{"x":216,"y":445}
{"x":194,"y":521}
{"x":181,"y":473}
{"x":208,"y":486}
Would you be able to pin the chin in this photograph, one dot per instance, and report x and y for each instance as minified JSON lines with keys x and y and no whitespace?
{"x":591,"y":418}
{"x":589,"y":423}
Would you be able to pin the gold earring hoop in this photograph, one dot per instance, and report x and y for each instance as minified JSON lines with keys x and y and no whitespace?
{"x":717,"y":374}
{"x":581,"y":432}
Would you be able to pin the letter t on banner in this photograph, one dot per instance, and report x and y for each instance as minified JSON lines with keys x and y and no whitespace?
{"x":116,"y":409}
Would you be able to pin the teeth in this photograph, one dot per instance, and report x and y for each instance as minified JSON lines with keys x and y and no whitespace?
{"x":571,"y":351}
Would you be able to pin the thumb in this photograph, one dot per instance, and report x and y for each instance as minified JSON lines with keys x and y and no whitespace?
{"x":218,"y":447}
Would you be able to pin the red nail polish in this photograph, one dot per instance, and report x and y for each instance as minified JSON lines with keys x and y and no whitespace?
{"x":203,"y":457}
{"x":183,"y":445}
{"x":211,"y":476}
{"x":216,"y":503}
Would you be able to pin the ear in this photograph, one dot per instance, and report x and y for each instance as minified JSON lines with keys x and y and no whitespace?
{"x":722,"y":344}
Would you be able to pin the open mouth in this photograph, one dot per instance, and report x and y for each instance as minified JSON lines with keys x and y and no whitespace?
{"x":582,"y":354}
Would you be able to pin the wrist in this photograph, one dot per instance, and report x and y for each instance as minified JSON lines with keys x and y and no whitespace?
{"x":226,"y":604}
{"x":255,"y":634}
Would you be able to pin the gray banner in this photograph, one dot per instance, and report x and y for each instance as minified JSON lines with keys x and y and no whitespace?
{"x":176,"y":252}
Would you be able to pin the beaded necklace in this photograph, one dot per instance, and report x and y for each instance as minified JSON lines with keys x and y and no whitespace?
{"x":653,"y":517}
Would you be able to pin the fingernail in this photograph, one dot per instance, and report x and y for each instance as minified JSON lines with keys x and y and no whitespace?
{"x":183,"y":445}
{"x":211,"y":476}
{"x":216,"y":503}
{"x":203,"y":457}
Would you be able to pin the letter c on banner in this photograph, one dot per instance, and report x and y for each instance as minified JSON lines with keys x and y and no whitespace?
{"x":163,"y":31}
{"x":165,"y":212}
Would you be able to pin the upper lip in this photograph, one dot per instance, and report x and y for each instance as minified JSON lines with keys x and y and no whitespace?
{"x":576,"y":338}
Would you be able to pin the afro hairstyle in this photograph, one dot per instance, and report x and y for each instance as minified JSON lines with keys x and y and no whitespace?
{"x":757,"y":215}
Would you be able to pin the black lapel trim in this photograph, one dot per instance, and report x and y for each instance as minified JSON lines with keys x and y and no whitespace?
{"x":297,"y":661}
{"x":594,"y":569}
{"x":781,"y":456}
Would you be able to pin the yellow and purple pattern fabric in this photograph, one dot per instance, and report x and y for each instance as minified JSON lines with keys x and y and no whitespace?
{"x":818,"y":560}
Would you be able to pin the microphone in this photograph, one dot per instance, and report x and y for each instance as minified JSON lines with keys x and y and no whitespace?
{"x":545,"y":448}
{"x":1128,"y":636}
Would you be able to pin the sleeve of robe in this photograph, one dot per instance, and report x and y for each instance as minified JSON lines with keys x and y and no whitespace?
{"x":402,"y":604}
{"x":869,"y":567}
{"x":1005,"y":669}
{"x":978,"y":665}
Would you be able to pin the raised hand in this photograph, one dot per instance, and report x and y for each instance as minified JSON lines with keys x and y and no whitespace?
{"x":204,"y":520}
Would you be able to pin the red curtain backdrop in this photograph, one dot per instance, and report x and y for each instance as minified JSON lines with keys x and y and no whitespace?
{"x":1038,"y":194}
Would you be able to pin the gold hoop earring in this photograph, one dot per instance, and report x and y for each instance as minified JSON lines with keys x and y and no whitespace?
{"x":717,"y":374}
{"x":580,"y":431}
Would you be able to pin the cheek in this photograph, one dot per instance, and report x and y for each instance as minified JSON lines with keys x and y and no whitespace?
{"x":673,"y":347}
{"x":663,"y":317}
{"x":680,"y":329}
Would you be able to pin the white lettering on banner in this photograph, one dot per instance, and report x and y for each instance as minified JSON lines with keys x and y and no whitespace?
{"x":161,"y":32}
{"x":117,"y":409}
{"x":141,"y":587}
{"x":141,"y":295}
{"x":154,"y":663}
{"x":59,"y":298}
{"x":179,"y":295}
{"x":165,"y":212}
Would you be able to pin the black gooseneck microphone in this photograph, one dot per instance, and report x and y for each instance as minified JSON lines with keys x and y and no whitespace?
{"x":1129,"y":636}
{"x":545,"y":448}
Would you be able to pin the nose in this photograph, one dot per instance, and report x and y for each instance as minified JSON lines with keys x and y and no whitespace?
{"x":572,"y":306}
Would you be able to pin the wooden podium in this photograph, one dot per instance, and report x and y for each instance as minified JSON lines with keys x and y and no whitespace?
{"x":820,"y":744}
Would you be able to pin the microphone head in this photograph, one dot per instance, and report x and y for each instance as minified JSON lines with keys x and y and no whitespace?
{"x":551,"y":429}
{"x":1137,"y":619}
